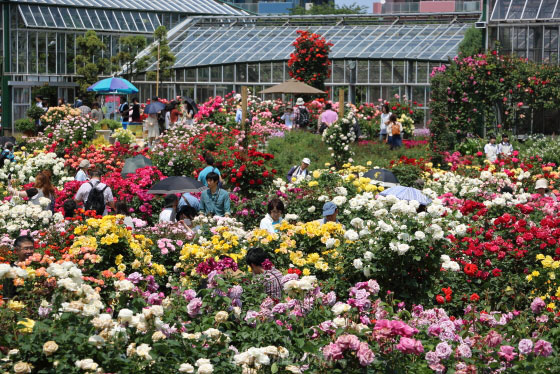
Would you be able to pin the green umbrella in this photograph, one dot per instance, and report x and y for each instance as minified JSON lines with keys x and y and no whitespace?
{"x":134,"y":163}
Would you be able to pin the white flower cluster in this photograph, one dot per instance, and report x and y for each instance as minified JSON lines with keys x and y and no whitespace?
{"x":255,"y":358}
{"x":306,"y":283}
{"x":448,"y":264}
{"x":7,"y":271}
{"x":26,"y":171}
{"x":88,"y":365}
{"x":140,"y":321}
{"x":25,"y":216}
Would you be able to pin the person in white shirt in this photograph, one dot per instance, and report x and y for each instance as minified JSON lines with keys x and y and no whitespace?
{"x":274,"y":216}
{"x":84,"y":191}
{"x":288,"y":117}
{"x":491,"y":149}
{"x":82,"y":174}
{"x":384,"y":121}
{"x":122,"y":208}
{"x":505,"y":149}
{"x":168,"y":214}
{"x":299,"y":172}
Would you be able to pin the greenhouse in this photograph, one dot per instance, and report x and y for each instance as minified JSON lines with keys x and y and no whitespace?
{"x":526,"y":28}
{"x":40,"y":39}
{"x":372,"y":57}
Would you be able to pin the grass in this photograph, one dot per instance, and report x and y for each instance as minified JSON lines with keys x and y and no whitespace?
{"x":295,"y":145}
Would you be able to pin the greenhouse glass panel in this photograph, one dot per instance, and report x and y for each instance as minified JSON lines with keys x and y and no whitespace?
{"x":107,"y":22}
{"x":278,"y":72}
{"x":422,"y":72}
{"x":386,"y":71}
{"x":338,"y":72}
{"x":42,"y":52}
{"x":253,"y":72}
{"x":76,"y":18}
{"x":500,"y":10}
{"x":94,"y":19}
{"x":216,"y":73}
{"x":130,"y":21}
{"x":57,"y":18}
{"x":229,"y":73}
{"x":138,"y":20}
{"x":85,"y":18}
{"x":531,"y":9}
{"x":121,"y":22}
{"x":241,"y":72}
{"x":70,"y":53}
{"x":550,"y":44}
{"x":27,"y":15}
{"x":203,"y":74}
{"x":266,"y":72}
{"x":374,"y":72}
{"x":547,"y":9}
{"x":516,"y":9}
{"x":65,"y":13}
{"x":362,"y":71}
{"x":411,"y":72}
{"x":49,"y":21}
{"x":32,"y":39}
{"x":51,"y":52}
{"x":418,"y":95}
{"x":22,"y":52}
{"x":398,"y":72}
{"x":190,"y":75}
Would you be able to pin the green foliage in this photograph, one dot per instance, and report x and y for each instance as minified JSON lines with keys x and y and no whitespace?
{"x":329,"y":8}
{"x":35,"y":112}
{"x":25,"y":124}
{"x":407,"y":174}
{"x":125,"y":60}
{"x":472,"y":42}
{"x":89,"y":63}
{"x":166,"y":57}
{"x":111,"y":124}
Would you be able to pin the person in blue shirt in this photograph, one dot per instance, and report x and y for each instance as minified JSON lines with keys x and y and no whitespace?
{"x":238,"y":114}
{"x":208,"y":169}
{"x":215,"y":200}
{"x":189,"y":200}
{"x":7,"y":153}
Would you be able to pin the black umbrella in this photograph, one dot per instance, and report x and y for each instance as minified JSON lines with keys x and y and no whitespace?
{"x":134,"y":163}
{"x":382,"y":175}
{"x":154,"y":107}
{"x":192,"y":104}
{"x":176,"y":185}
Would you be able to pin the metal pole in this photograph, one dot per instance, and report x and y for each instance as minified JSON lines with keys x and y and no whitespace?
{"x":157,"y":72}
{"x":6,"y":90}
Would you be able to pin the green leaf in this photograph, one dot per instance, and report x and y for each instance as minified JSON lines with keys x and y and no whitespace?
{"x":274,"y":368}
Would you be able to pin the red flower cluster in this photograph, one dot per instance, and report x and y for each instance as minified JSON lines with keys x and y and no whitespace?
{"x":310,"y":61}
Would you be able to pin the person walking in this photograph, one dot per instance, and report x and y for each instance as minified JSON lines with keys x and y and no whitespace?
{"x":384,"y":121}
{"x":275,"y":210}
{"x":288,"y":117}
{"x":208,"y":169}
{"x":95,"y":195}
{"x":298,"y":171}
{"x":135,"y":110}
{"x":214,"y":200}
{"x":152,"y":127}
{"x":169,"y":212}
{"x":395,"y":129}
{"x":301,"y":114}
{"x":96,"y":113}
{"x":327,"y":118}
{"x":82,"y":174}
{"x":491,"y":149}
{"x":123,"y":109}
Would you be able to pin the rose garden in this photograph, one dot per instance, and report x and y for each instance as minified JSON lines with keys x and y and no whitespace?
{"x":467,"y":285}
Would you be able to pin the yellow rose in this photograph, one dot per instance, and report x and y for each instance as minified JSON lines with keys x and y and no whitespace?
{"x":306,"y":272}
{"x":50,"y":347}
{"x":316,"y":174}
{"x":368,"y":163}
{"x":26,"y":325}
{"x":381,"y":188}
{"x":221,"y":316}
{"x":23,"y":367}
{"x":16,"y":306}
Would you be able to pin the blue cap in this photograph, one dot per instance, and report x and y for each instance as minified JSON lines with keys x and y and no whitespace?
{"x":329,"y":208}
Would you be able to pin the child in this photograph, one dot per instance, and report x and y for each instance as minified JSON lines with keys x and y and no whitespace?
{"x":505,"y":149}
{"x":288,"y":117}
{"x":491,"y":149}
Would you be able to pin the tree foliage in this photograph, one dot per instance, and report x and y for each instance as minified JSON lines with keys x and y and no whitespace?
{"x":126,"y":60}
{"x":329,"y":8}
{"x":89,"y":61}
{"x":472,"y":43}
{"x":310,"y":62}
{"x":166,"y":57}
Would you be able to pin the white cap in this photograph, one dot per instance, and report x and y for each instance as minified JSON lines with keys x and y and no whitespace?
{"x":300,"y":101}
{"x":306,"y":161}
{"x":541,"y":183}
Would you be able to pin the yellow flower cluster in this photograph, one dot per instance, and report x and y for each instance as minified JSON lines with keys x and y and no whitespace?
{"x":547,"y":287}
{"x":363,"y":184}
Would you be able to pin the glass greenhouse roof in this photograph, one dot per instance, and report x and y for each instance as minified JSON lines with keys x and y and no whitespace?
{"x":525,"y":10}
{"x":199,"y":46}
{"x":174,"y":6}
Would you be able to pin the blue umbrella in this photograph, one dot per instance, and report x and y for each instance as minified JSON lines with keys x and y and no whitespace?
{"x":113,"y":85}
{"x":407,"y":193}
{"x":154,"y":107}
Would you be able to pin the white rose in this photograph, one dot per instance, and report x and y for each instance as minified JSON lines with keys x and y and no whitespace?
{"x":125,"y":315}
{"x":143,"y":350}
{"x":311,"y":209}
{"x":221,"y":316}
{"x":158,"y":335}
{"x":205,"y":369}
{"x":419,"y":235}
{"x":368,"y":255}
{"x":340,"y":308}
{"x":124,"y":285}
{"x":186,"y":368}
{"x":22,"y":367}
{"x":50,"y":347}
{"x":358,"y":264}
{"x":96,"y":340}
{"x":202,"y":361}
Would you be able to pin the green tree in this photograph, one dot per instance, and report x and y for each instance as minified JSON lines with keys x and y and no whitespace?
{"x":166,"y":57}
{"x":472,"y":43}
{"x":126,"y":60}
{"x":329,"y":8}
{"x":89,"y":61}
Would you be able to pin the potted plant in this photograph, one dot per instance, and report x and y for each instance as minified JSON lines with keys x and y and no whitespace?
{"x":27,"y":126}
{"x":109,"y":124}
{"x":35,"y":113}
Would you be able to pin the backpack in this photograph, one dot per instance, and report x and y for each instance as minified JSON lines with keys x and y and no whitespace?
{"x":95,"y":200}
{"x":303,"y":117}
{"x":395,"y":129}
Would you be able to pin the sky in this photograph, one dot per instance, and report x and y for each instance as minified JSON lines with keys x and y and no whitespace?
{"x":366,"y":3}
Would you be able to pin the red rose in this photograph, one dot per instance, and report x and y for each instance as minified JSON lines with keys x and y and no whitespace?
{"x":496,"y":272}
{"x":474,"y":297}
{"x":471,"y":269}
{"x":440,"y":299}
{"x":252,"y":181}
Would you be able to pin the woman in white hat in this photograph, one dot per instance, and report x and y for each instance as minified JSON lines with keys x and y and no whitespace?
{"x":299,"y":172}
{"x":541,"y":187}
{"x":82,"y":174}
{"x":301,"y":114}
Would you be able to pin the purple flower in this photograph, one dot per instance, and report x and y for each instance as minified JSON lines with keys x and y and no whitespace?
{"x":365,"y":355}
{"x":193,"y":309}
{"x":443,"y":350}
{"x":543,"y":348}
{"x":432,"y":358}
{"x":409,"y":345}
{"x":235,"y":292}
{"x":348,"y":341}
{"x":507,"y":352}
{"x":464,"y":351}
{"x":332,"y":352}
{"x":329,"y":299}
{"x":537,"y":305}
{"x":280,"y":308}
{"x":189,"y":295}
{"x":135,"y":277}
{"x":525,"y":346}
{"x":493,"y":339}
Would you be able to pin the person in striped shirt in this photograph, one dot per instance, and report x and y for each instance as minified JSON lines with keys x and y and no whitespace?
{"x":265,"y":272}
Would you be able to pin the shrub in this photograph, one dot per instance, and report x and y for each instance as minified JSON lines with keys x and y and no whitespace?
{"x":25,"y":124}
{"x":111,"y":124}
